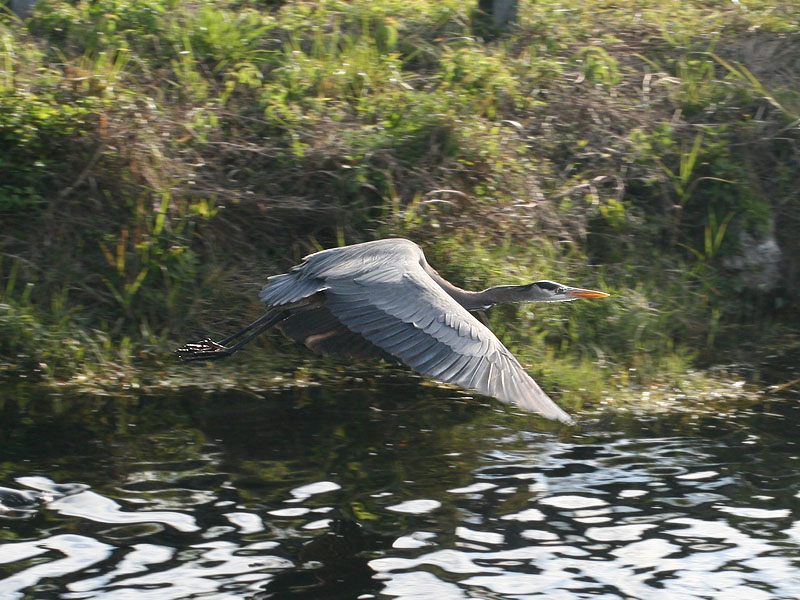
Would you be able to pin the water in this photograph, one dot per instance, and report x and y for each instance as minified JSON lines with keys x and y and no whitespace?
{"x":391,"y":489}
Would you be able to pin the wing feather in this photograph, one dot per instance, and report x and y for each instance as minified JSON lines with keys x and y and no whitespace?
{"x":451,"y":373}
{"x":403,"y":343}
{"x":431,"y":359}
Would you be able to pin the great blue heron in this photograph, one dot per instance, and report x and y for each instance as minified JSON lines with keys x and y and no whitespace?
{"x":383,"y":299}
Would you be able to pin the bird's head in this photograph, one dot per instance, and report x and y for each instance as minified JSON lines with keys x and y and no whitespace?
{"x":552,"y":291}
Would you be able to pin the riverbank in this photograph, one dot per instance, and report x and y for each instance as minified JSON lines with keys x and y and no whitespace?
{"x":160,"y":159}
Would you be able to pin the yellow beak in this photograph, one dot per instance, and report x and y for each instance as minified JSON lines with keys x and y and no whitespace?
{"x":581,"y":293}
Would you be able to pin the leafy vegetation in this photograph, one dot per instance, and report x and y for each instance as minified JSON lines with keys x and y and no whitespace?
{"x":159,"y":158}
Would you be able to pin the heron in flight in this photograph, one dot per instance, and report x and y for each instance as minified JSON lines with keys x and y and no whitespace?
{"x":383,"y":299}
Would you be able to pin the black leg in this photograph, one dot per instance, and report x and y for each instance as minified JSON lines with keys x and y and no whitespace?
{"x":208,"y":349}
{"x":269,"y":317}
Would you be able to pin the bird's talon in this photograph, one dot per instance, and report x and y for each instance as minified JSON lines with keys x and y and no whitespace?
{"x":205,"y":348}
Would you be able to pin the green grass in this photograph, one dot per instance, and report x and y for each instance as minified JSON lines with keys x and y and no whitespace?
{"x":161,"y":158}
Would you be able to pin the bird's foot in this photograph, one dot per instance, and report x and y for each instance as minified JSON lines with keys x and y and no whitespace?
{"x":205,"y":349}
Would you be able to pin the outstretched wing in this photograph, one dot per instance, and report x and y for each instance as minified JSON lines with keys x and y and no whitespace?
{"x":382,"y":291}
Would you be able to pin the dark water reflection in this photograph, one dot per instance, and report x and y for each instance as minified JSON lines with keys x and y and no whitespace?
{"x":391,"y":490}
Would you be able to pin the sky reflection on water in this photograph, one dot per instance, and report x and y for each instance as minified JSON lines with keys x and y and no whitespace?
{"x":401,"y":492}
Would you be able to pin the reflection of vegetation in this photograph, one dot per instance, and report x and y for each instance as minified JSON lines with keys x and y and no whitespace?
{"x":162,"y":156}
{"x":370,"y":444}
{"x":190,"y":452}
{"x":161,"y":451}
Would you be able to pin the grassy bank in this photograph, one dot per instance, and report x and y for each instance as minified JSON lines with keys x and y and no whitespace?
{"x":160,"y":158}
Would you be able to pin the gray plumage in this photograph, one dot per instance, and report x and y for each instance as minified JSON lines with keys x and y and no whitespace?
{"x":382,"y":299}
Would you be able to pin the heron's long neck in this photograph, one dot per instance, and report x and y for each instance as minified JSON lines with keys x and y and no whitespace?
{"x":500,"y":294}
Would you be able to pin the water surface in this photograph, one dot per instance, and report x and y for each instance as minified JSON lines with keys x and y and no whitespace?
{"x":392,"y":489}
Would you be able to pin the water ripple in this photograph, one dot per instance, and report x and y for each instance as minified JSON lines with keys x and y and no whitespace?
{"x":67,"y":554}
{"x":416,"y":507}
{"x":408,"y":503}
{"x":94,"y":507}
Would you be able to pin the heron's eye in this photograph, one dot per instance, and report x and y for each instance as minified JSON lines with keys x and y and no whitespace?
{"x":560,"y":291}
